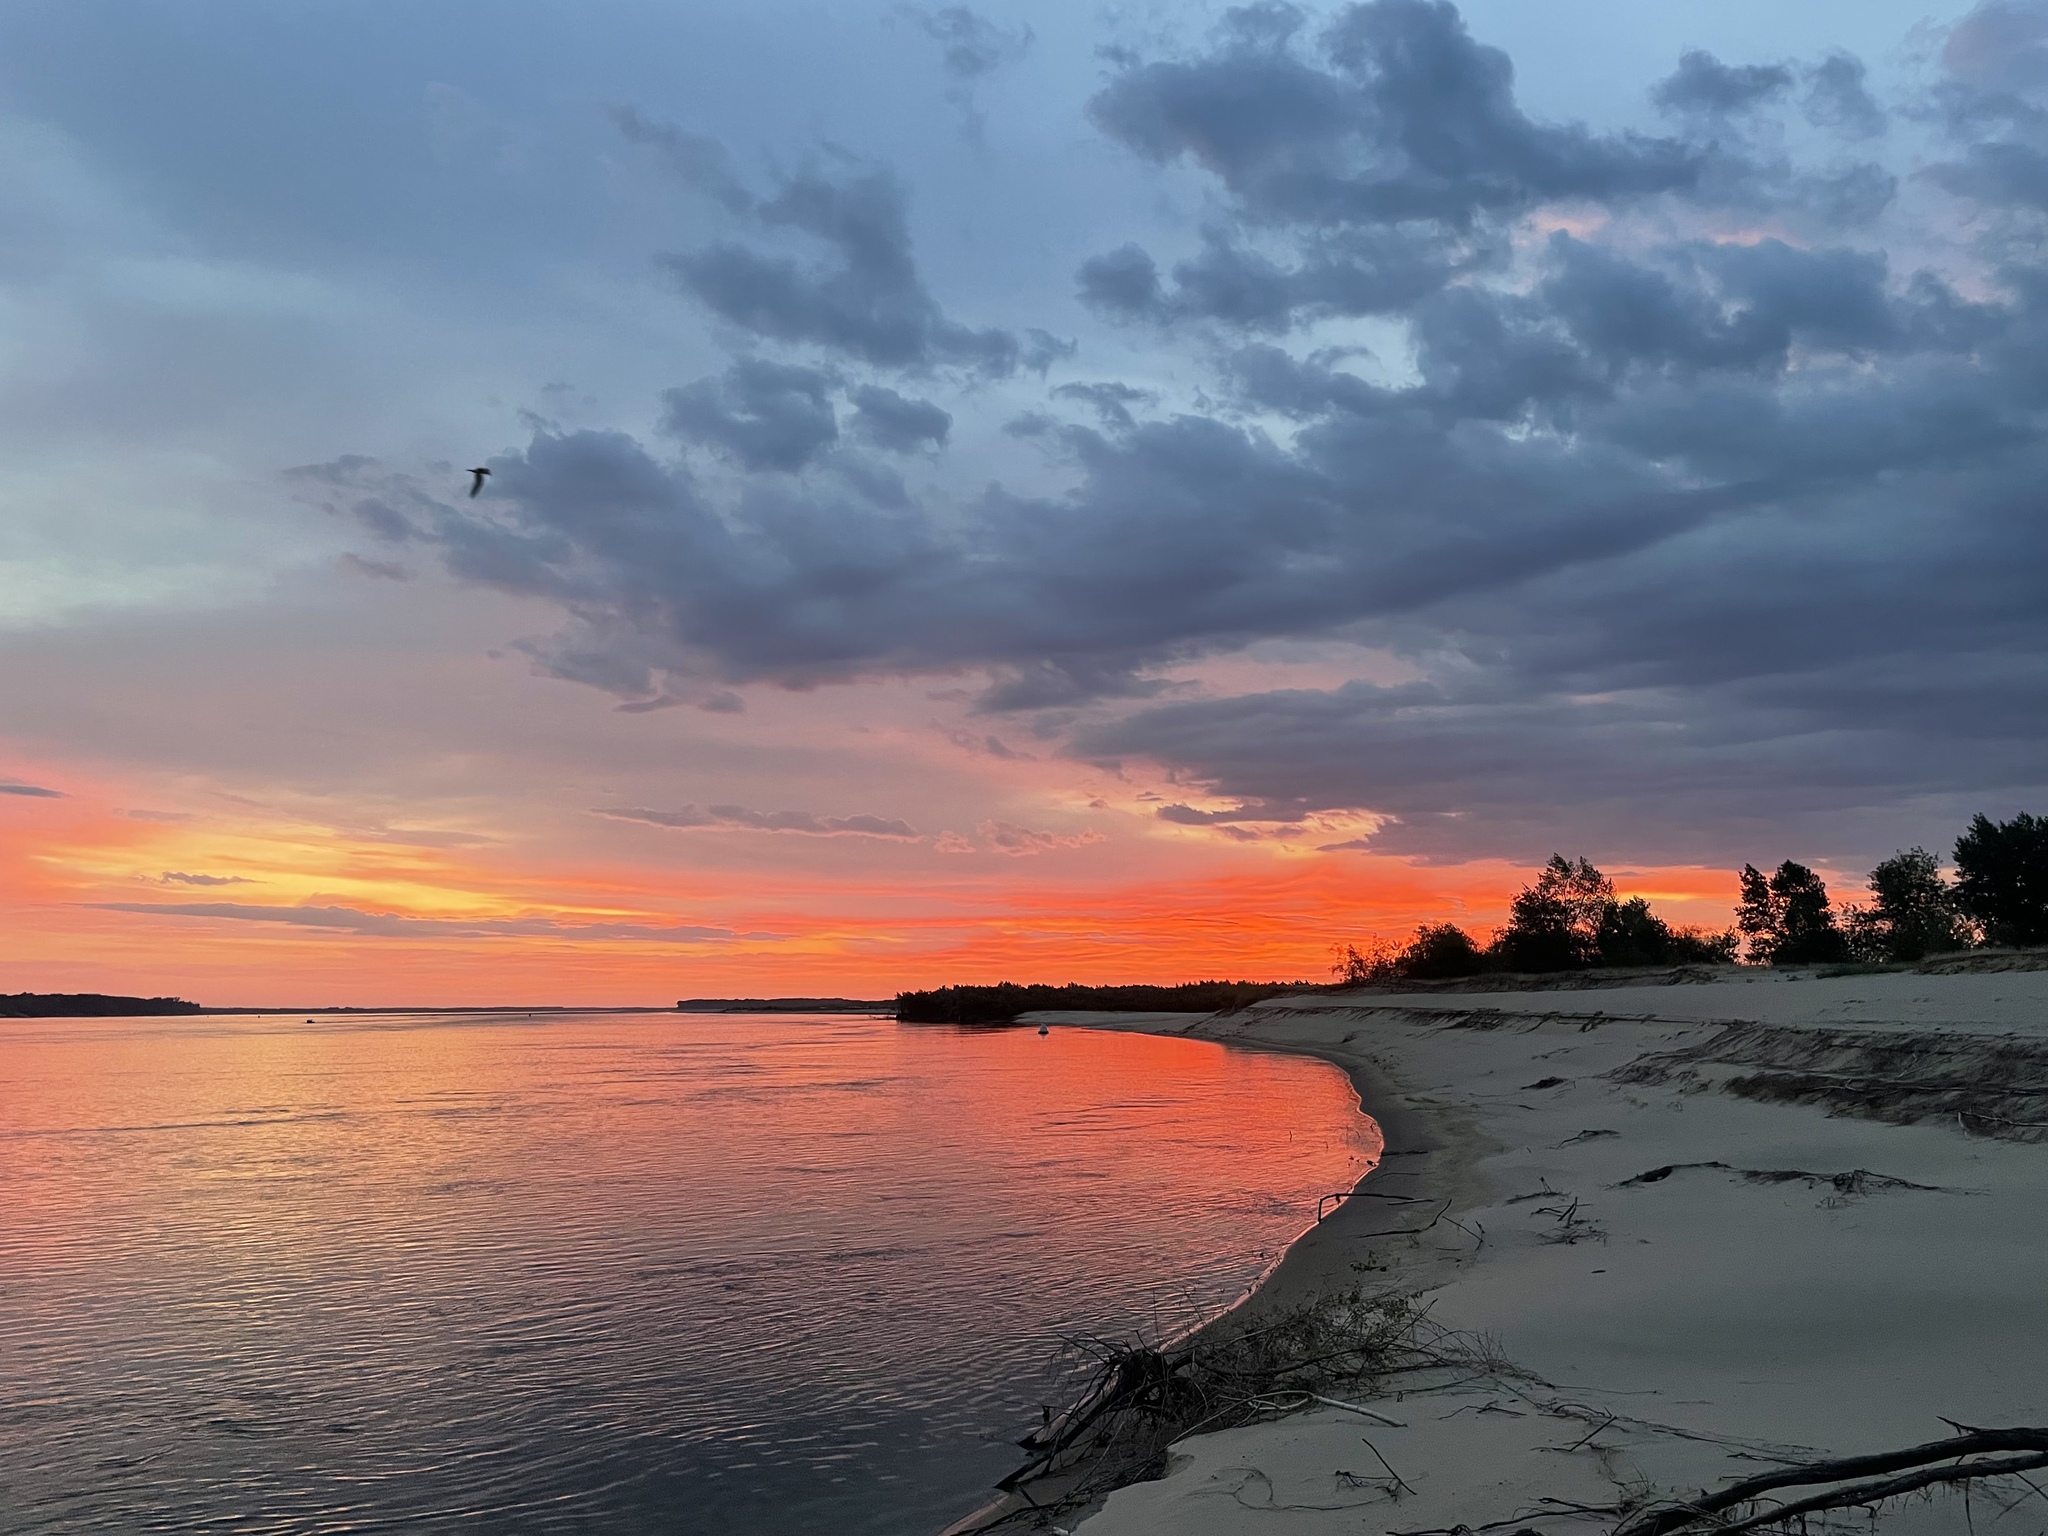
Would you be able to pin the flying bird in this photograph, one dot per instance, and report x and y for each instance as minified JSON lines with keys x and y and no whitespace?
{"x":476,"y":485}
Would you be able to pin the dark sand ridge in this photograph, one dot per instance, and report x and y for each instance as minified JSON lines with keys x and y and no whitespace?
{"x":1806,"y":1218}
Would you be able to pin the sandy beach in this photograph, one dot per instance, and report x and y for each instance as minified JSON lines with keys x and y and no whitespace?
{"x":1709,"y":1227}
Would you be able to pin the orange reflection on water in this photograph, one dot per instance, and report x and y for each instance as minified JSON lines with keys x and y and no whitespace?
{"x":604,"y":1265}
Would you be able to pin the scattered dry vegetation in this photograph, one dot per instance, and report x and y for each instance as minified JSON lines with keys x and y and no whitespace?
{"x":1343,"y":1351}
{"x":1139,"y":1399}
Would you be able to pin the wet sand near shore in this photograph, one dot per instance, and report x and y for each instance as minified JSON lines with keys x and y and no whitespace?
{"x":1709,"y":1228}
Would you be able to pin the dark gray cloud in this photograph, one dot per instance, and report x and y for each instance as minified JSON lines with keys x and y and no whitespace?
{"x":1519,"y":763}
{"x":1661,"y":387}
{"x":1042,"y":349}
{"x":1123,"y":283}
{"x":1388,"y":158}
{"x":1836,"y":97}
{"x":1677,"y":532}
{"x":898,"y":423}
{"x":740,"y":816}
{"x":866,"y":301}
{"x":1740,"y":307}
{"x":760,"y":415}
{"x":1409,"y":119}
{"x":2003,"y":174}
{"x":1355,"y":272}
{"x":32,"y":791}
{"x":394,"y":925}
{"x":179,"y":877}
{"x":1703,"y":84}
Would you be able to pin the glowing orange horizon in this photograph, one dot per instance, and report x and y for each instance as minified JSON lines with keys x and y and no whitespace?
{"x":476,"y":924}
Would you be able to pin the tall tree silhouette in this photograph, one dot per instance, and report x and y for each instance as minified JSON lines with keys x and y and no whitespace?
{"x":1554,"y":925}
{"x":1913,"y":913}
{"x":1787,"y":919}
{"x":2002,"y":877}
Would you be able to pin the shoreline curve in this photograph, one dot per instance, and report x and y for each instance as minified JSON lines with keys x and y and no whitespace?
{"x":1703,"y":1221}
{"x":1413,"y":1144}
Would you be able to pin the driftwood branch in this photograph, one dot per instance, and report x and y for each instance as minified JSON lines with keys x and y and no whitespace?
{"x":1873,"y":1493}
{"x":2031,"y":1443}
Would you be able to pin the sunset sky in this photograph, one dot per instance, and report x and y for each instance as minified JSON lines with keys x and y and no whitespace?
{"x":1056,"y":491}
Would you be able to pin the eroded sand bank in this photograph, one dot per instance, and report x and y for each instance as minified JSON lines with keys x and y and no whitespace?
{"x":1686,"y":1224}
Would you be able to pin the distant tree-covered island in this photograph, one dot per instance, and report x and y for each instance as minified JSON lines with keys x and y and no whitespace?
{"x":781,"y":1005}
{"x":1002,"y":1003}
{"x":87,"y":1005}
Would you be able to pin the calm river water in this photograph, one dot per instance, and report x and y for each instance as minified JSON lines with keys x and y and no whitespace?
{"x":600,"y":1272}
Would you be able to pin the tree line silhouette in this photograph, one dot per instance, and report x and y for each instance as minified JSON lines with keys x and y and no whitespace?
{"x":86,"y":1005}
{"x":1001,"y":1003}
{"x":1570,"y":919}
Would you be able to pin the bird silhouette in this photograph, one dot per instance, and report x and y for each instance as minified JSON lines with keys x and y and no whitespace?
{"x":476,"y":486}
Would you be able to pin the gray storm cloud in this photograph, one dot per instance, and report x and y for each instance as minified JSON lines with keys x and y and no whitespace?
{"x":761,"y":415}
{"x":1690,"y":535}
{"x":866,"y":299}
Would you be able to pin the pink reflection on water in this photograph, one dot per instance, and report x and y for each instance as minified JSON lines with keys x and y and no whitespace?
{"x":593,"y":1264}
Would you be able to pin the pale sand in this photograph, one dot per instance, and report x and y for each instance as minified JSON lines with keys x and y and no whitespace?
{"x":1770,"y":1320}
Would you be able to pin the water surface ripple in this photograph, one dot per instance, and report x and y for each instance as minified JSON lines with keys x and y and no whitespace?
{"x":600,"y":1272}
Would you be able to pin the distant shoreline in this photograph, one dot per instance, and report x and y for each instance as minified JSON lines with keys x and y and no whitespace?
{"x":785,"y":1005}
{"x":195,"y":1010}
{"x":824,"y":1006}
